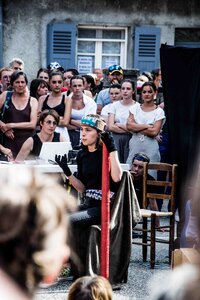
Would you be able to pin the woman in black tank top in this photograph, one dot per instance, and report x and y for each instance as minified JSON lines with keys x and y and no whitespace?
{"x":48,"y":121}
{"x":56,"y":100}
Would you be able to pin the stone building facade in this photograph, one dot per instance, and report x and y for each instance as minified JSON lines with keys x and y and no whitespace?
{"x":87,"y":33}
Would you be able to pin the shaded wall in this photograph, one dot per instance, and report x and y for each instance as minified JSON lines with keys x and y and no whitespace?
{"x":25,"y":22}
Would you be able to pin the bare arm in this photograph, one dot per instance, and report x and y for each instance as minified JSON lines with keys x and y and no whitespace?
{"x":153,"y":130}
{"x":99,"y":108}
{"x":25,"y":150}
{"x":67,"y":114}
{"x":7,"y":152}
{"x":77,"y":184}
{"x":115,"y":167}
{"x":40,"y":104}
{"x":115,"y":127}
{"x":76,"y":123}
{"x":133,"y":126}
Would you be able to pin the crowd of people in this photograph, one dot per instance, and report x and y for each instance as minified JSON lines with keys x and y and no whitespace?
{"x":132,"y":112}
{"x":61,"y":105}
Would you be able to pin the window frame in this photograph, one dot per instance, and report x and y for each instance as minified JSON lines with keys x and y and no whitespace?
{"x":98,"y":55}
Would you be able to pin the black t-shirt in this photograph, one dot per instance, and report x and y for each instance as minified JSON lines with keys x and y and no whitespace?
{"x":89,"y":169}
{"x":138,"y":185}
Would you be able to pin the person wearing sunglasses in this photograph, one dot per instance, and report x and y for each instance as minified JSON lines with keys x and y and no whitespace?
{"x":5,"y":74}
{"x":145,"y":123}
{"x":48,"y":121}
{"x":115,"y":75}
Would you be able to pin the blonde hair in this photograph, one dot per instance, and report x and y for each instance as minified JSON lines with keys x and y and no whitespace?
{"x":33,"y":207}
{"x":90,"y":288}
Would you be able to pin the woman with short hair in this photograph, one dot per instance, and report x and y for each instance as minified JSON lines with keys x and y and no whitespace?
{"x":20,"y":115}
{"x":48,"y":121}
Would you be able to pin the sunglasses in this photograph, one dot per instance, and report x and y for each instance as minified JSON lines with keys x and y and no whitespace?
{"x":49,"y":122}
{"x":114,"y":67}
{"x":6,"y":76}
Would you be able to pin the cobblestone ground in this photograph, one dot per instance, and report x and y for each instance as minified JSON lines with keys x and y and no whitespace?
{"x":139,"y":279}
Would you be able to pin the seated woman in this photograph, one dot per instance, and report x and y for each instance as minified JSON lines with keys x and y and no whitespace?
{"x":89,"y":176}
{"x":48,"y":121}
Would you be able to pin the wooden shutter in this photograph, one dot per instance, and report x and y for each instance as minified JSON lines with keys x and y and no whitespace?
{"x":147,"y":46}
{"x":61,"y":42}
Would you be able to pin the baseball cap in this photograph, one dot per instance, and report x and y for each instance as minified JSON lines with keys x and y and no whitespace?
{"x":115,"y":68}
{"x":95,"y":121}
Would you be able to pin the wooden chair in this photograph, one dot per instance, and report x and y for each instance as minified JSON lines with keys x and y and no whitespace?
{"x":165,"y":190}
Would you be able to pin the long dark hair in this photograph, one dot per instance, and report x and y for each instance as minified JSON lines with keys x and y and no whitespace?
{"x":35,"y":83}
{"x":133,"y":86}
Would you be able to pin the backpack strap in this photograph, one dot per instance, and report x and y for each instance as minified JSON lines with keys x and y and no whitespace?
{"x":8,"y":98}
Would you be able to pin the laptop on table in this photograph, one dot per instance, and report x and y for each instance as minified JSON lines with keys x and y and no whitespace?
{"x":50,"y":149}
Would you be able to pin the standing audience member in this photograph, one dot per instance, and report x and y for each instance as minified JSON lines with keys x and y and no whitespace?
{"x":145,"y":123}
{"x":57,"y":101}
{"x":48,"y":121}
{"x":89,"y":85}
{"x":115,"y":95}
{"x":5,"y":74}
{"x":118,"y":115}
{"x":16,"y":64}
{"x":99,"y":78}
{"x":115,"y":75}
{"x":38,"y":88}
{"x":20,"y":116}
{"x":43,"y":73}
{"x":82,"y":105}
{"x":90,"y":288}
{"x":35,"y":247}
{"x":67,"y":75}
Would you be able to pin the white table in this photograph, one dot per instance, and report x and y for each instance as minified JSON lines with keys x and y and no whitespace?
{"x":44,"y":167}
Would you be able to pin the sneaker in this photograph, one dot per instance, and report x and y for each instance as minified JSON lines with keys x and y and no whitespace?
{"x":66,"y":274}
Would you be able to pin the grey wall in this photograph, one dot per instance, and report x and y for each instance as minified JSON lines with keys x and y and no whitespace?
{"x":24,"y":22}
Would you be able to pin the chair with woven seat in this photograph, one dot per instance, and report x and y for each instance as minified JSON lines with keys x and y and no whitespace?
{"x":163,"y":189}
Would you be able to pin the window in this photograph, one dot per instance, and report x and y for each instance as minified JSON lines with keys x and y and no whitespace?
{"x":101,"y":47}
{"x":187,"y":37}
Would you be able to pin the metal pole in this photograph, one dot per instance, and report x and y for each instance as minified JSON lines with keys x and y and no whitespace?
{"x":105,"y":214}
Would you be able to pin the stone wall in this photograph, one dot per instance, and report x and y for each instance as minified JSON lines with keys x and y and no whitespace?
{"x":25,"y":22}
